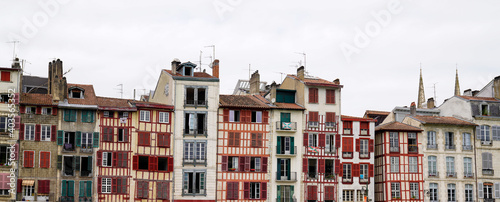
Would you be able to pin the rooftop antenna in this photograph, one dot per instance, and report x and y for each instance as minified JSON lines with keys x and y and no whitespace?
{"x":120,"y":90}
{"x":210,"y":65}
{"x":435,"y":96}
{"x":281,"y":74}
{"x":14,"y":55}
{"x":201,"y":53}
{"x":304,"y":54}
{"x":212,"y":46}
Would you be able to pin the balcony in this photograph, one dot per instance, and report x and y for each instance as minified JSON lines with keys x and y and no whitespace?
{"x":85,"y":199}
{"x":291,"y":178}
{"x":195,"y":103}
{"x":86,"y":148}
{"x":363,"y":155}
{"x":363,"y":132}
{"x":67,"y":147}
{"x":486,"y":142}
{"x":451,"y":174}
{"x":450,"y":147}
{"x":488,"y":172}
{"x":468,"y":174}
{"x":286,"y":200}
{"x":190,"y":161}
{"x":197,"y":132}
{"x":67,"y":199}
{"x":330,"y":124}
{"x":280,"y":151}
{"x":312,"y":175}
{"x":347,"y":154}
{"x":466,"y":147}
{"x":286,"y":126}
{"x":330,"y":176}
{"x":432,"y":146}
{"x":313,"y":124}
{"x":346,"y":180}
{"x":433,"y":174}
{"x":412,"y":148}
{"x":347,"y":131}
{"x":489,"y":200}
{"x":394,"y":149}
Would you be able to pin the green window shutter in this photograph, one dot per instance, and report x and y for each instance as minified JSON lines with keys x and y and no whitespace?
{"x":71,"y":188}
{"x":73,"y":115}
{"x":60,"y":136}
{"x":288,"y":168}
{"x":92,"y":115}
{"x":279,"y":193}
{"x":278,"y":148}
{"x":89,"y":188}
{"x":278,"y":174}
{"x":202,"y":181}
{"x":77,"y":164}
{"x":67,"y":114}
{"x":59,"y":162}
{"x":96,"y":139}
{"x":186,"y":181}
{"x":291,"y":190}
{"x":64,"y":188}
{"x":89,"y":163}
{"x":78,"y":138}
{"x":292,"y":145}
{"x":84,"y":116}
{"x":82,"y":189}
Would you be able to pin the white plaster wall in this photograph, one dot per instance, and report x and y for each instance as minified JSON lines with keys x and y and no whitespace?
{"x":456,"y":107}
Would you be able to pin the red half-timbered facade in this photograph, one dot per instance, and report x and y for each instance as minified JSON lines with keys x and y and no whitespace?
{"x":399,"y":171}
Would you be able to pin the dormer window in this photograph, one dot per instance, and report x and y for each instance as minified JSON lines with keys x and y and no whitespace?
{"x":485,"y":110}
{"x":76,"y":93}
{"x":187,"y":71}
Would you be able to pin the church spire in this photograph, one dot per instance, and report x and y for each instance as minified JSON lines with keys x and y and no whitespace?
{"x":457,"y":85}
{"x":421,"y":94}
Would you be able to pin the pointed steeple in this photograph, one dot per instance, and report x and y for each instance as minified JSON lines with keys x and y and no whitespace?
{"x":421,"y":94}
{"x":457,"y":85}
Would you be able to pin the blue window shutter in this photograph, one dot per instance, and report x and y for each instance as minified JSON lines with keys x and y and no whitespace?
{"x":292,"y":145}
{"x":60,"y":136}
{"x":78,"y":138}
{"x":96,"y":139}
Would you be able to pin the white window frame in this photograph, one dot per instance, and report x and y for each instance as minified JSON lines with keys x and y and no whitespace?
{"x":163,"y":117}
{"x":484,"y":134}
{"x":432,"y":162}
{"x":44,"y":110}
{"x":431,"y":138}
{"x":89,"y":137}
{"x":7,"y":153}
{"x":348,"y":195}
{"x":105,"y":159}
{"x":29,"y":132}
{"x":106,"y":185}
{"x":45,"y":132}
{"x":394,"y":139}
{"x":255,"y":187}
{"x":363,"y":147}
{"x":394,"y":164}
{"x":467,"y":139}
{"x":413,"y":164}
{"x":28,"y":191}
{"x":450,"y":164}
{"x":258,"y":116}
{"x":395,"y":190}
{"x":313,"y":140}
{"x":4,"y":124}
{"x":433,"y":190}
{"x":469,"y":193}
{"x":28,"y":110}
{"x":414,"y":190}
{"x":495,"y":130}
{"x":347,"y":171}
{"x":467,"y":165}
{"x":363,"y":170}
{"x":453,"y":195}
{"x":145,"y":116}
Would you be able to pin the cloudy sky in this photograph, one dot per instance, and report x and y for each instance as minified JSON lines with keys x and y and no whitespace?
{"x":375,"y":48}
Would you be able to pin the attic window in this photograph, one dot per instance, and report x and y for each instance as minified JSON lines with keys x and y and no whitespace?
{"x":187,"y":71}
{"x":485,"y":110}
{"x":76,"y":93}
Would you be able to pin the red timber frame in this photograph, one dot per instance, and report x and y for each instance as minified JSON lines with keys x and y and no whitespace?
{"x":404,"y":177}
{"x":245,"y":151}
{"x":318,"y":184}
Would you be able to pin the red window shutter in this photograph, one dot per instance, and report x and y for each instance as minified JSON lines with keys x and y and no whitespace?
{"x":148,"y":139}
{"x":22,"y":109}
{"x":230,"y":139}
{"x":16,"y":152}
{"x":224,"y":163}
{"x":357,"y":145}
{"x":167,"y":140}
{"x":229,"y":190}
{"x":113,"y":185}
{"x":260,"y":139}
{"x":99,"y":185}
{"x":41,"y":185}
{"x":54,"y":111}
{"x":263,"y":192}
{"x":246,"y":190}
{"x":236,"y":190}
{"x":115,"y":159}
{"x":135,"y":162}
{"x":26,"y":159}
{"x":370,"y":170}
{"x":337,"y":166}
{"x":264,"y":164}
{"x":345,"y":145}
{"x":265,"y":117}
{"x":306,"y":139}
{"x":99,"y":158}
{"x":32,"y":159}
{"x":5,"y":76}
{"x":226,"y":115}
{"x":153,"y":163}
{"x":237,"y":139}
{"x":337,"y":140}
{"x":38,"y":110}
{"x":322,"y":140}
{"x":53,"y":133}
{"x":21,"y":132}
{"x":341,"y":169}
{"x":371,"y":146}
{"x":19,"y":185}
{"x":37,"y":132}
{"x":304,"y":165}
{"x":355,"y":170}
{"x":314,"y":193}
{"x":247,"y":163}
{"x":242,"y":163}
{"x":321,"y":166}
{"x":170,"y":164}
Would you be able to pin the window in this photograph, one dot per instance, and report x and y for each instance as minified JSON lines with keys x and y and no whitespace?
{"x":123,"y":114}
{"x":190,"y":156}
{"x":28,"y":191}
{"x":313,"y":95}
{"x":432,"y":161}
{"x":3,"y":124}
{"x":87,"y":116}
{"x":70,"y":115}
{"x":107,"y":159}
{"x":414,"y":193}
{"x":348,"y":195}
{"x":347,"y":125}
{"x":363,"y":171}
{"x":69,"y":141}
{"x":46,"y":110}
{"x":163,"y":140}
{"x":329,"y":169}
{"x":449,"y":142}
{"x":5,"y":76}
{"x":330,"y":96}
{"x":106,"y":185}
{"x":255,"y":164}
{"x":395,"y":191}
{"x":468,"y":167}
{"x":363,"y":148}
{"x":346,"y":172}
{"x":145,"y":115}
{"x":347,"y":147}
{"x":43,"y":187}
{"x":45,"y":133}
{"x":256,"y":140}
{"x":451,"y":192}
{"x":234,"y":116}
{"x":412,"y":143}
{"x":364,"y":128}
{"x":330,"y":146}
{"x":330,"y":121}
{"x":44,"y":159}
{"x":4,"y":154}
{"x":488,"y":190}
{"x":107,"y":114}
{"x":232,"y":163}
{"x":450,"y":166}
{"x":69,"y":164}
{"x":285,"y":192}
{"x":75,"y":93}
{"x":286,"y":145}
{"x":30,"y":110}
{"x":163,"y":163}
{"x":284,"y":169}
{"x":29,"y":131}
{"x":495,"y":133}
{"x":413,"y":164}
{"x":144,"y":139}
{"x":107,"y":134}
{"x":394,"y":164}
{"x":196,"y":96}
{"x":123,"y":135}
{"x":29,"y":159}
{"x":468,"y":193}
{"x":233,"y":139}
{"x":122,"y":160}
{"x":313,"y":119}
{"x":485,"y":110}
{"x":86,"y":141}
{"x":487,"y":162}
{"x":143,"y":163}
{"x":86,"y":166}
{"x":256,"y":117}
{"x":193,"y":182}
{"x":466,"y":139}
{"x":433,"y":191}
{"x":195,"y":123}
{"x":255,"y":190}
{"x":431,"y":138}
{"x":163,"y":117}
{"x":85,"y":189}
{"x":142,"y":189}
{"x":4,"y":98}
{"x":484,"y":133}
{"x":313,"y":140}
{"x":394,"y":141}
{"x":162,"y":190}
{"x":312,"y":168}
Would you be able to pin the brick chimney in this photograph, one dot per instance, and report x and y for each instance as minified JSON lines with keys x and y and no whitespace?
{"x":430,"y":103}
{"x":300,"y":72}
{"x":468,"y":92}
{"x":273,"y":92}
{"x":413,"y":109}
{"x":496,"y":87}
{"x":215,"y":68}
{"x":175,"y":63}
{"x":255,"y":83}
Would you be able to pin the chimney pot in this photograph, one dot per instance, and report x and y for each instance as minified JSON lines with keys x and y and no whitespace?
{"x":175,"y":63}
{"x":300,"y":73}
{"x":215,"y":68}
{"x":255,"y":83}
{"x":336,"y":81}
{"x":413,"y":109}
{"x":430,"y":103}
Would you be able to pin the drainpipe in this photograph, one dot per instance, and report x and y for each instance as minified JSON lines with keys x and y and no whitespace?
{"x":475,"y":163}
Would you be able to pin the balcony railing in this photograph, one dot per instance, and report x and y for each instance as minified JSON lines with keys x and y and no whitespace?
{"x":67,"y":199}
{"x":347,"y":154}
{"x":363,"y":132}
{"x":312,"y":175}
{"x":286,"y":126}
{"x":489,"y":200}
{"x":280,"y":151}
{"x":194,"y":161}
{"x":84,"y":199}
{"x":394,"y":149}
{"x":362,"y":155}
{"x":86,"y":148}
{"x":330,"y":124}
{"x":433,"y":174}
{"x":313,"y":124}
{"x":466,"y":147}
{"x":413,"y":148}
{"x":197,"y":132}
{"x":468,"y":174}
{"x":292,"y":177}
{"x":330,"y":176}
{"x":347,"y":180}
{"x":347,"y":131}
{"x":286,"y":200}
{"x":195,"y":103}
{"x":485,"y":142}
{"x":488,"y":172}
{"x":67,"y":147}
{"x":432,"y":146}
{"x":450,"y":147}
{"x":451,"y":174}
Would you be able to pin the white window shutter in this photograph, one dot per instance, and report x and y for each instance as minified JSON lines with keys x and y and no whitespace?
{"x":497,"y":190}
{"x":478,"y":132}
{"x":480,"y":191}
{"x":327,"y":144}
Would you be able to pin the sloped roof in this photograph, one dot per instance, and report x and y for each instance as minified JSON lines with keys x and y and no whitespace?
{"x":353,"y":118}
{"x":397,"y":126}
{"x":36,"y":99}
{"x":107,"y":103}
{"x":315,"y":81}
{"x":195,"y":74}
{"x":441,"y":120}
{"x":142,"y":104}
{"x":479,"y":98}
{"x":293,"y":106}
{"x":89,"y":97}
{"x":242,"y":101}
{"x":377,"y":112}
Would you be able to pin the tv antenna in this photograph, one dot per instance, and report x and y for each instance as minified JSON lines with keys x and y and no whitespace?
{"x":281,"y":74}
{"x":14,"y":55}
{"x":304,"y":54}
{"x":434,"y":88}
{"x":213,"y":51}
{"x":120,"y":90}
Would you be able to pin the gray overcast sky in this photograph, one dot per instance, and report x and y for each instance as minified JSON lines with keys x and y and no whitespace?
{"x":374,"y":47}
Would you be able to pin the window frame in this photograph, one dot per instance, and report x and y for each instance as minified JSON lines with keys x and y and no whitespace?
{"x":163,"y":117}
{"x":144,"y":115}
{"x":395,"y":190}
{"x":47,"y":134}
{"x":29,"y":136}
{"x":394,"y":164}
{"x":106,"y":185}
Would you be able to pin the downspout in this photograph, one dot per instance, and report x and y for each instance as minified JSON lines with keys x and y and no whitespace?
{"x":475,"y":164}
{"x":217,"y":154}
{"x":175,"y":104}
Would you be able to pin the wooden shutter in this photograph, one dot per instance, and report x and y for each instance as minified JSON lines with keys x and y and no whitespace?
{"x":82,"y":189}
{"x":167,"y":140}
{"x":96,"y":139}
{"x":71,"y":188}
{"x":371,"y":170}
{"x":322,"y":140}
{"x":59,"y":162}
{"x":226,"y":115}
{"x":246,"y":190}
{"x":21,"y":132}
{"x":78,"y":138}
{"x":237,"y":139}
{"x":60,"y":136}
{"x":53,"y":133}
{"x":170,"y":164}
{"x":125,"y":135}
{"x":16,"y":152}
{"x":265,"y":116}
{"x":19,"y":186}
{"x":153,"y":163}
{"x":264,"y":164}
{"x":229,"y":190}
{"x":497,"y":190}
{"x":247,"y":163}
{"x":230,"y":139}
{"x":147,"y":141}
{"x":41,"y":188}
{"x":329,"y":191}
{"x":306,"y":139}
{"x":99,"y":185}
{"x":54,"y":111}
{"x":357,"y":145}
{"x":321,"y":166}
{"x":38,"y":128}
{"x":337,"y":166}
{"x":371,"y":146}
{"x":355,"y":170}
{"x":304,"y":165}
{"x":99,"y":158}
{"x":313,"y":116}
{"x":135,"y":162}
{"x":38,"y":110}
{"x":260,"y":139}
{"x":224,"y":163}
{"x":114,"y":186}
{"x":263,"y":190}
{"x":115,"y":159}
{"x":254,"y":140}
{"x":337,"y":140}
{"x":242,"y":164}
{"x":480,"y":190}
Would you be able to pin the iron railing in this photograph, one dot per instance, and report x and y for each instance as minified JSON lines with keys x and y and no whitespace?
{"x":286,"y":126}
{"x":292,"y":177}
